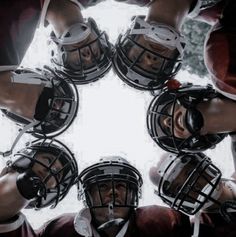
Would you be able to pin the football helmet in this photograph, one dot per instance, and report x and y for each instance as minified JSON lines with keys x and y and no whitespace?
{"x":131,"y":68}
{"x":57,"y":105}
{"x":79,"y":58}
{"x":187,"y":182}
{"x":65,"y":176}
{"x":111,"y":169}
{"x":163,"y":106}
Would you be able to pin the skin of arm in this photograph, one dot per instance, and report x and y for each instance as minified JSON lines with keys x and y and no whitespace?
{"x":11,"y":201}
{"x":18,"y":98}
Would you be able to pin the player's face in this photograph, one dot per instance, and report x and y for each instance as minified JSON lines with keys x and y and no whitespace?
{"x":104,"y":194}
{"x":195,"y":182}
{"x":147,"y":60}
{"x":179,"y":127}
{"x":55,"y":113}
{"x":87,"y":56}
{"x":47,"y":159}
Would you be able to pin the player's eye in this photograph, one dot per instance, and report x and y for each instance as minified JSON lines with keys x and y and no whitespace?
{"x":103,"y":187}
{"x":120,"y":185}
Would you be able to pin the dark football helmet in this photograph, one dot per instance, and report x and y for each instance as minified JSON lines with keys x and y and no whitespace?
{"x":111,"y":169}
{"x":56,"y":108}
{"x":64,"y":177}
{"x":188,"y":181}
{"x":109,"y":175}
{"x":163,"y":106}
{"x":130,"y":66}
{"x":80,"y":58}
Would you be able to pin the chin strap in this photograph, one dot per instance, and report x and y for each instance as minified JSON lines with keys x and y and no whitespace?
{"x":196,"y":224}
{"x":112,"y":221}
{"x":9,"y":152}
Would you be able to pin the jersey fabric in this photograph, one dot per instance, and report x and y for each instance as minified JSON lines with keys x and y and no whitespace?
{"x":213,"y":225}
{"x":149,"y":221}
{"x":19,"y":20}
{"x":220,"y":48}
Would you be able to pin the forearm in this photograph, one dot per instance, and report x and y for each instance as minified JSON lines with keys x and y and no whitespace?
{"x":18,"y":98}
{"x":11,"y":201}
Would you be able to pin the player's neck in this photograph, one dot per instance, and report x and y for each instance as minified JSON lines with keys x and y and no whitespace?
{"x":170,"y":12}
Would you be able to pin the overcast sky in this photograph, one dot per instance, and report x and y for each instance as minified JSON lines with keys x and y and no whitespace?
{"x":111,"y":117}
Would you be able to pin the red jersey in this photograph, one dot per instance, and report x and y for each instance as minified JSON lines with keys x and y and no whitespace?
{"x":150,"y":221}
{"x":213,"y":225}
{"x":220,"y":51}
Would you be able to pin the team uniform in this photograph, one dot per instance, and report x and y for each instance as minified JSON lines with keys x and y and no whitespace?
{"x":19,"y":22}
{"x":220,"y":53}
{"x":146,"y":221}
{"x":212,"y":224}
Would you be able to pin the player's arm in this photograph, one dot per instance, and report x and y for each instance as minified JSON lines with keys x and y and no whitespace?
{"x":11,"y":201}
{"x":18,"y":98}
{"x":16,"y":189}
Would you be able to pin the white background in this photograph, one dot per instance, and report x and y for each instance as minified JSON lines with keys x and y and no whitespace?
{"x":111,"y":118}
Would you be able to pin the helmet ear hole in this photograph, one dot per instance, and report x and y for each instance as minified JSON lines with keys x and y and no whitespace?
{"x":184,"y":159}
{"x":166,"y":186}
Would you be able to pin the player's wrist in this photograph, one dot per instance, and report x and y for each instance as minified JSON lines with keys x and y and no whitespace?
{"x":30,"y":185}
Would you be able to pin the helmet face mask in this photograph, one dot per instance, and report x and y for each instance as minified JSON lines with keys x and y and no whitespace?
{"x":63,"y":109}
{"x":56,"y":108}
{"x":54,"y":163}
{"x":188,"y":182}
{"x":135,"y":48}
{"x":110,"y":175}
{"x":163,"y":108}
{"x":83,"y":60}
